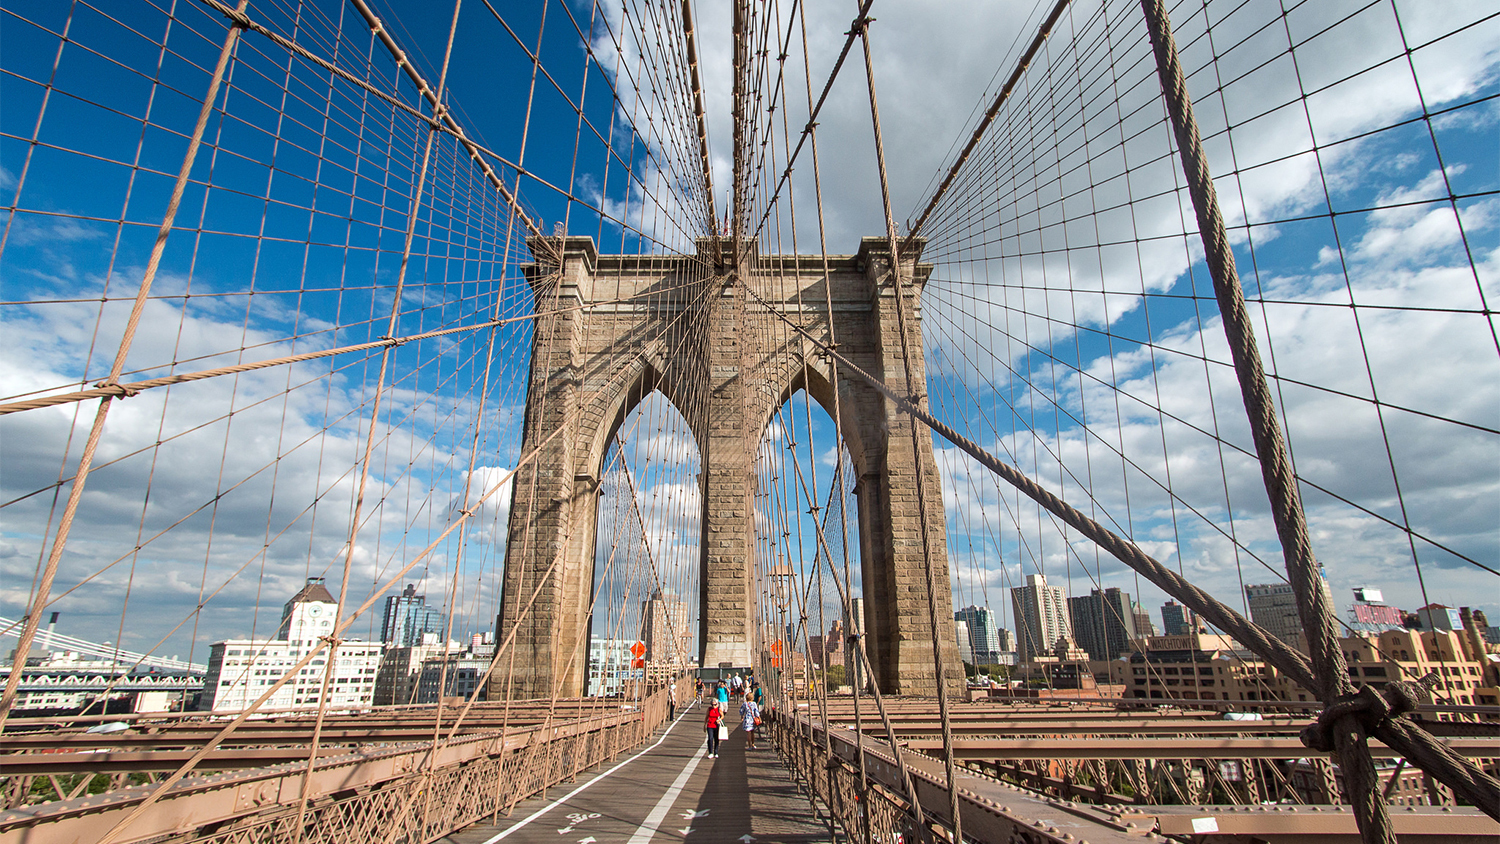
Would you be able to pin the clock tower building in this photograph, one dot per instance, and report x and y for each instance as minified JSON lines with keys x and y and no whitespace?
{"x":243,"y":671}
{"x":309,"y":614}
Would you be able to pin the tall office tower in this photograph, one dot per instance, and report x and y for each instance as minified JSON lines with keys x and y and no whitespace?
{"x":1474,"y":624}
{"x":1177,"y":620}
{"x":1003,"y":640}
{"x":1273,"y":606}
{"x":829,"y":649}
{"x":407,"y":617}
{"x":1103,"y":622}
{"x":855,"y":625}
{"x":664,"y":629}
{"x":1041,"y":616}
{"x":1143,"y":625}
{"x":965,"y":644}
{"x":984,"y":640}
{"x":1486,"y":630}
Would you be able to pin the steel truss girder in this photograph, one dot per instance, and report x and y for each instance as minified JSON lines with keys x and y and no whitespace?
{"x":996,"y":811}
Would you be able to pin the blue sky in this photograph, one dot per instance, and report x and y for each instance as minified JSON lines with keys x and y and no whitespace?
{"x":305,"y":255}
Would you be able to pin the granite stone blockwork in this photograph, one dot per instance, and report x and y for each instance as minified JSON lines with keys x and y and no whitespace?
{"x":619,"y":327}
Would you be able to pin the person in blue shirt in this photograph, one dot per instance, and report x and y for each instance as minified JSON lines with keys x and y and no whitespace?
{"x":723,"y":693}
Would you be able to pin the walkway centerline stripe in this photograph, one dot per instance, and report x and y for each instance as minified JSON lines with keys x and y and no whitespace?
{"x":647,"y":829}
{"x":569,"y":796}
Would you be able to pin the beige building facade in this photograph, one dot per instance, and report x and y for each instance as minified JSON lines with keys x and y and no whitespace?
{"x":1203,"y":666}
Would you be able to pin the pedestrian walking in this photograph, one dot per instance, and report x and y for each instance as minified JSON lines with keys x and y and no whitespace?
{"x":723,"y":695}
{"x":671,"y":701}
{"x":714,"y":724}
{"x":750,"y":720}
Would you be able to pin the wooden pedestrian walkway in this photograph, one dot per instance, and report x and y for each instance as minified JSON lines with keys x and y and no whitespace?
{"x":668,"y":791}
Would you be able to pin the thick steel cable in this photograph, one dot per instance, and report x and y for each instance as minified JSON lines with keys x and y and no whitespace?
{"x":1281,"y":484}
{"x":812,"y":118}
{"x":690,"y":37}
{"x":851,"y":642}
{"x":984,"y":123}
{"x":1480,"y":788}
{"x":413,"y":212}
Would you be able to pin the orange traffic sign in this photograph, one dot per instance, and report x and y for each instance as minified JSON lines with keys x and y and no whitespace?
{"x":638,"y":649}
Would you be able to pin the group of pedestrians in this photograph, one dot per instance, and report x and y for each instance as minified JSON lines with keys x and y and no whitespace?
{"x":716,"y":723}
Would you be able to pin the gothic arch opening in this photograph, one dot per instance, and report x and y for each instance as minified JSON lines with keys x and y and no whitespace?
{"x":645,"y":579}
{"x":808,"y":562}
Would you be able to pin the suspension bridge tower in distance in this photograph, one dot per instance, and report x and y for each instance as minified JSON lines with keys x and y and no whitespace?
{"x":728,"y":344}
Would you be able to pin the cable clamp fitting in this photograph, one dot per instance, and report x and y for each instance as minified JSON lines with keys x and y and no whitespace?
{"x":237,"y":18}
{"x":1371,"y":707}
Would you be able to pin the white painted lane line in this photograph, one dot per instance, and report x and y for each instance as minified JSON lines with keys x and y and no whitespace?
{"x":653,"y":821}
{"x":561,"y":800}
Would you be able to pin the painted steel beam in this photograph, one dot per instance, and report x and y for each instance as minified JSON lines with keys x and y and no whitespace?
{"x":1157,"y":748}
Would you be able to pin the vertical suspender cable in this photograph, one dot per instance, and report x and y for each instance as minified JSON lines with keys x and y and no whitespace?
{"x":907,"y":356}
{"x":75,"y":495}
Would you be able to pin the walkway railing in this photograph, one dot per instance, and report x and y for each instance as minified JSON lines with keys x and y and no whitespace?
{"x":408,"y":791}
{"x":1055,"y":776}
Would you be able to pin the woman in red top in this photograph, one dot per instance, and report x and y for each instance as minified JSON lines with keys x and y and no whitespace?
{"x":715,"y":717}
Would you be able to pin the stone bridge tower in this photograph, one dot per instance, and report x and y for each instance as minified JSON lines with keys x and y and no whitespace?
{"x":619,"y":327}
